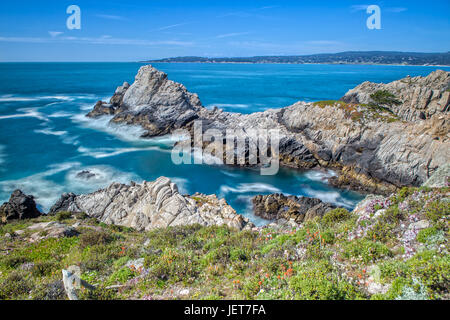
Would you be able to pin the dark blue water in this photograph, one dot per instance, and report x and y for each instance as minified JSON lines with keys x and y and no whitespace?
{"x":45,"y":138}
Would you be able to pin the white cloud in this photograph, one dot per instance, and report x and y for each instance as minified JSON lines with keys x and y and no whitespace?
{"x":396,"y":10}
{"x":54,"y":34}
{"x":172,"y":26}
{"x":359,"y":7}
{"x":110,"y":17}
{"x":228,"y":35}
{"x":104,"y":40}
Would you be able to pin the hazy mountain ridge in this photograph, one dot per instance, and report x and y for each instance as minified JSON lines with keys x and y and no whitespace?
{"x":350,"y":57}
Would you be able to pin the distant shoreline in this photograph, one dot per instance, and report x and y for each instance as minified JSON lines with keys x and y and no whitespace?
{"x":331,"y":64}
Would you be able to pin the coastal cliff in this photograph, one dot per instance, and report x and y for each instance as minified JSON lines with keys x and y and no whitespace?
{"x":393,"y":247}
{"x":374,"y":147}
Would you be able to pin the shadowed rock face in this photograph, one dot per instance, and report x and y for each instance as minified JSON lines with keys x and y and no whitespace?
{"x":373,"y":152}
{"x":20,"y":206}
{"x":279,"y":206}
{"x":420,"y":97}
{"x":151,"y":205}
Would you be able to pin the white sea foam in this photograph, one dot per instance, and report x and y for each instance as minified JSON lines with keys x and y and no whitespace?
{"x":23,"y":98}
{"x":248,"y":187}
{"x":2,"y":156}
{"x":60,"y":114}
{"x":231,"y":174}
{"x":46,"y":191}
{"x":228,"y":105}
{"x":320,"y":175}
{"x":103,"y":176}
{"x":49,"y":131}
{"x":182,"y":184}
{"x":28,"y":113}
{"x":122,"y":131}
{"x":100,"y":153}
{"x":328,"y":196}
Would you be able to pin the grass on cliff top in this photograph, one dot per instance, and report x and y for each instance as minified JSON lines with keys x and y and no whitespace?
{"x":319,"y":261}
{"x":360,"y":112}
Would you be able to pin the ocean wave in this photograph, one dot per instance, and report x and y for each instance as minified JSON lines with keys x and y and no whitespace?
{"x":47,"y":191}
{"x":249,"y":187}
{"x":332,"y":197}
{"x":181,"y":183}
{"x":231,"y":174}
{"x":101,"y":176}
{"x":60,"y":114}
{"x":228,"y":105}
{"x":49,"y":131}
{"x":100,"y":153}
{"x":123,"y":132}
{"x":248,"y":212}
{"x":2,"y":157}
{"x":24,"y":98}
{"x":28,"y":113}
{"x":320,"y":175}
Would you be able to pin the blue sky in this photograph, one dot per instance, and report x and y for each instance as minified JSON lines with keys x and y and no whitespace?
{"x":136,"y":30}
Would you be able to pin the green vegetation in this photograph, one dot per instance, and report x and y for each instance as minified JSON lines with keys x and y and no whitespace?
{"x":361,"y":112}
{"x":322,"y":260}
{"x":382,"y":98}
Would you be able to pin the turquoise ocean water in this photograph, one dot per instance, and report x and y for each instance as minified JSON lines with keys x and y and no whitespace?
{"x":45,"y":140}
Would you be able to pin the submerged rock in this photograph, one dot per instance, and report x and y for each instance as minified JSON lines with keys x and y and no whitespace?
{"x":19,"y":207}
{"x":278,"y":206}
{"x":151,"y":205}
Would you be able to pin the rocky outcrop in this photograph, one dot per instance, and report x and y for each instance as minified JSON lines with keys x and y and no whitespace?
{"x":376,"y":151}
{"x":420,"y":97}
{"x":440,"y":179}
{"x":19,"y":207}
{"x":157,"y":104}
{"x":63,"y":203}
{"x":52,"y":229}
{"x":152,"y":205}
{"x":299,"y":209}
{"x":399,"y":153}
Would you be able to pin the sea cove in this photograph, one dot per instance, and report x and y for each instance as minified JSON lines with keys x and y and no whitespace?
{"x":47,"y":142}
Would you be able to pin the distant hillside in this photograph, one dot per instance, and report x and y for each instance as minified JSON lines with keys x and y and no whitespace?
{"x":351,"y":57}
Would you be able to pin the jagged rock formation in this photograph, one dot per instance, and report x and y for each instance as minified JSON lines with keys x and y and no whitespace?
{"x":152,"y":205}
{"x":373,"y":150}
{"x":420,"y":97}
{"x":19,"y":207}
{"x":278,"y":206}
{"x":159,"y":105}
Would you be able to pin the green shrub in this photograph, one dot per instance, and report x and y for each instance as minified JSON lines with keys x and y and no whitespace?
{"x":437,"y":210}
{"x":424,"y":234}
{"x":122,"y":275}
{"x":384,"y":98}
{"x":92,"y":238}
{"x":63,"y":215}
{"x":366,"y":250}
{"x":43,"y":268}
{"x":15,"y":286}
{"x":335,"y":216}
{"x":318,"y":282}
